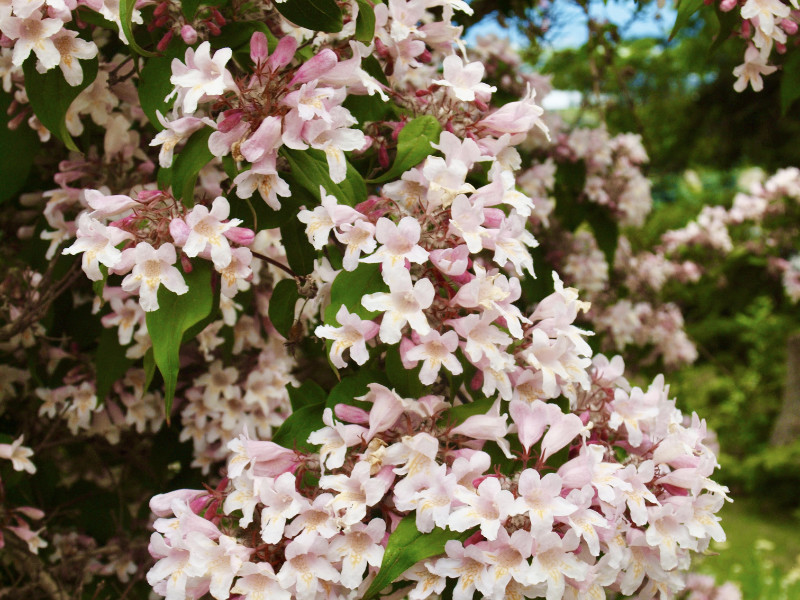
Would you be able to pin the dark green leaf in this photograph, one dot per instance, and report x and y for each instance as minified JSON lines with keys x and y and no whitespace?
{"x":281,"y":305}
{"x":16,"y":165}
{"x":568,"y":189}
{"x":365,"y":22}
{"x":317,"y":15}
{"x":405,"y":381}
{"x":194,"y":156}
{"x":350,"y":286}
{"x":308,"y":394}
{"x":310,"y":169}
{"x":299,"y":252}
{"x":298,"y":426}
{"x":407,"y":547}
{"x":369,"y":108}
{"x":790,"y":81}
{"x":257,"y":215}
{"x":726,"y":23}
{"x":110,"y":362}
{"x":126,"y":15}
{"x":459,"y":414}
{"x":189,"y":8}
{"x":686,"y":8}
{"x":149,"y":364}
{"x":413,"y":146}
{"x":355,"y":386}
{"x":606,"y":231}
{"x":154,"y":85}
{"x":176,"y":316}
{"x":50,"y":96}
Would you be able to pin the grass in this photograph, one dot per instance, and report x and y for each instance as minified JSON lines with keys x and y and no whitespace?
{"x":761,"y":554}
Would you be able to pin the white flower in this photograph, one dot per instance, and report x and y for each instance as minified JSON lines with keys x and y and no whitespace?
{"x":98,"y":244}
{"x":152,"y":268}
{"x":403,"y":304}
{"x":202,"y":75}
{"x":18,"y":455}
{"x":464,"y":80}
{"x":207,"y":229}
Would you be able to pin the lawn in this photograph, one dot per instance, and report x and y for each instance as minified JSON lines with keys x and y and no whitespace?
{"x":762,"y":553}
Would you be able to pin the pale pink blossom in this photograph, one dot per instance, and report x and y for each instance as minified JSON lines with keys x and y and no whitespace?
{"x":151,"y":268}
{"x":353,"y":333}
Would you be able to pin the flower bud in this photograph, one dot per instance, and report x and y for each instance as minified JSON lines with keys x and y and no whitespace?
{"x":284,"y":53}
{"x":188,"y":34}
{"x":351,"y":414}
{"x":789,"y":26}
{"x":315,"y":67}
{"x":259,"y":51}
{"x":240,"y":235}
{"x":179,"y":231}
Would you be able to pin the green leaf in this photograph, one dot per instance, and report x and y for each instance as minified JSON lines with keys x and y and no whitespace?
{"x":110,"y":362}
{"x":726,"y":21}
{"x":236,"y":36}
{"x":310,"y":169}
{"x":686,"y":8}
{"x":126,"y":15}
{"x":790,"y":82}
{"x":149,"y":364}
{"x":308,"y":394}
{"x":194,"y":156}
{"x":365,"y":22}
{"x":568,"y":189}
{"x":405,"y":381}
{"x":606,"y":231}
{"x":16,"y":165}
{"x":298,"y":426}
{"x":350,"y":286}
{"x":299,"y":252}
{"x":458,"y":414}
{"x":154,"y":85}
{"x":189,"y":7}
{"x":407,"y":547}
{"x":50,"y":96}
{"x":317,"y":15}
{"x":413,"y":146}
{"x":355,"y":386}
{"x":281,"y":305}
{"x":176,"y":316}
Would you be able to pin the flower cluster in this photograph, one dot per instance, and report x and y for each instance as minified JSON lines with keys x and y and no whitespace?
{"x":305,"y":524}
{"x":765,"y":26}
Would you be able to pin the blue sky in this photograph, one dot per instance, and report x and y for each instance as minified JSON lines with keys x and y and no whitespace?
{"x":572,"y":22}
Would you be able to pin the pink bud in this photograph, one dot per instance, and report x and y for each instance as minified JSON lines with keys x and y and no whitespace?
{"x":351,"y":414}
{"x":218,"y":17}
{"x":383,"y":156}
{"x":315,"y":67}
{"x":186,"y":264}
{"x":493,"y":217}
{"x":406,"y":345}
{"x":780,"y":48}
{"x":188,"y":34}
{"x":147,"y":196}
{"x":284,"y":53}
{"x":259,"y":50}
{"x":161,"y":504}
{"x":161,"y":9}
{"x":240,"y":235}
{"x":789,"y":26}
{"x":179,"y":231}
{"x":386,"y":408}
{"x":164,"y":42}
{"x":531,"y":419}
{"x":728,"y":5}
{"x":230,"y":120}
{"x":213,"y":28}
{"x":561,"y":433}
{"x":425,"y":56}
{"x":746,"y":27}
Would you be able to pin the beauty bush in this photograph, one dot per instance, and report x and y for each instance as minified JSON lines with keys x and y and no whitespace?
{"x":322,"y":242}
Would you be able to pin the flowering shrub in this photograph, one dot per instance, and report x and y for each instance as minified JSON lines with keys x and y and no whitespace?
{"x":311,"y":252}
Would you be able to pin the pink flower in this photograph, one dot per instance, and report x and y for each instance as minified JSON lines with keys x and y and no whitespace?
{"x":202,"y":75}
{"x":152,"y":268}
{"x":403,"y":304}
{"x":465,"y":79}
{"x":398,"y":244}
{"x":435,"y":350}
{"x":353,"y":333}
